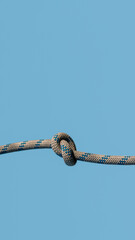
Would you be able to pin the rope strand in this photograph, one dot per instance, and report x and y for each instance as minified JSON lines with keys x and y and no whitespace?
{"x":64,"y":146}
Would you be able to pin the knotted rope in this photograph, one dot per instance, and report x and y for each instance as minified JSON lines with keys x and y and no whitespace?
{"x":64,"y":146}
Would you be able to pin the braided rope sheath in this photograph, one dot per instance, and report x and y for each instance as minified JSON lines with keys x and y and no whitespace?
{"x":64,"y":146}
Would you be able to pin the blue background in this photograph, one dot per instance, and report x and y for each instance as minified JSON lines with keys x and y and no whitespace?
{"x":67,"y":66}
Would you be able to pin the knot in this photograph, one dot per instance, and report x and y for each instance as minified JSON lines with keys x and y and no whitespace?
{"x":64,"y":146}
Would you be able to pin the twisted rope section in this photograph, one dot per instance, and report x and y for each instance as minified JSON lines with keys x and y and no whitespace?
{"x":64,"y":146}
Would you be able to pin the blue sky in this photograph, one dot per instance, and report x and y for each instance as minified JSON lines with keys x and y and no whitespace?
{"x":67,"y":66}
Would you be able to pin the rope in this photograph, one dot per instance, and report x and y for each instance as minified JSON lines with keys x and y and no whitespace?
{"x":64,"y":146}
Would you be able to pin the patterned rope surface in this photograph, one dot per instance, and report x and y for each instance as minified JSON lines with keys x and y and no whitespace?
{"x":64,"y":146}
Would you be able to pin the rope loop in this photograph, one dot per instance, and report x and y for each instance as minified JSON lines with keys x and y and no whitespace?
{"x":64,"y":146}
